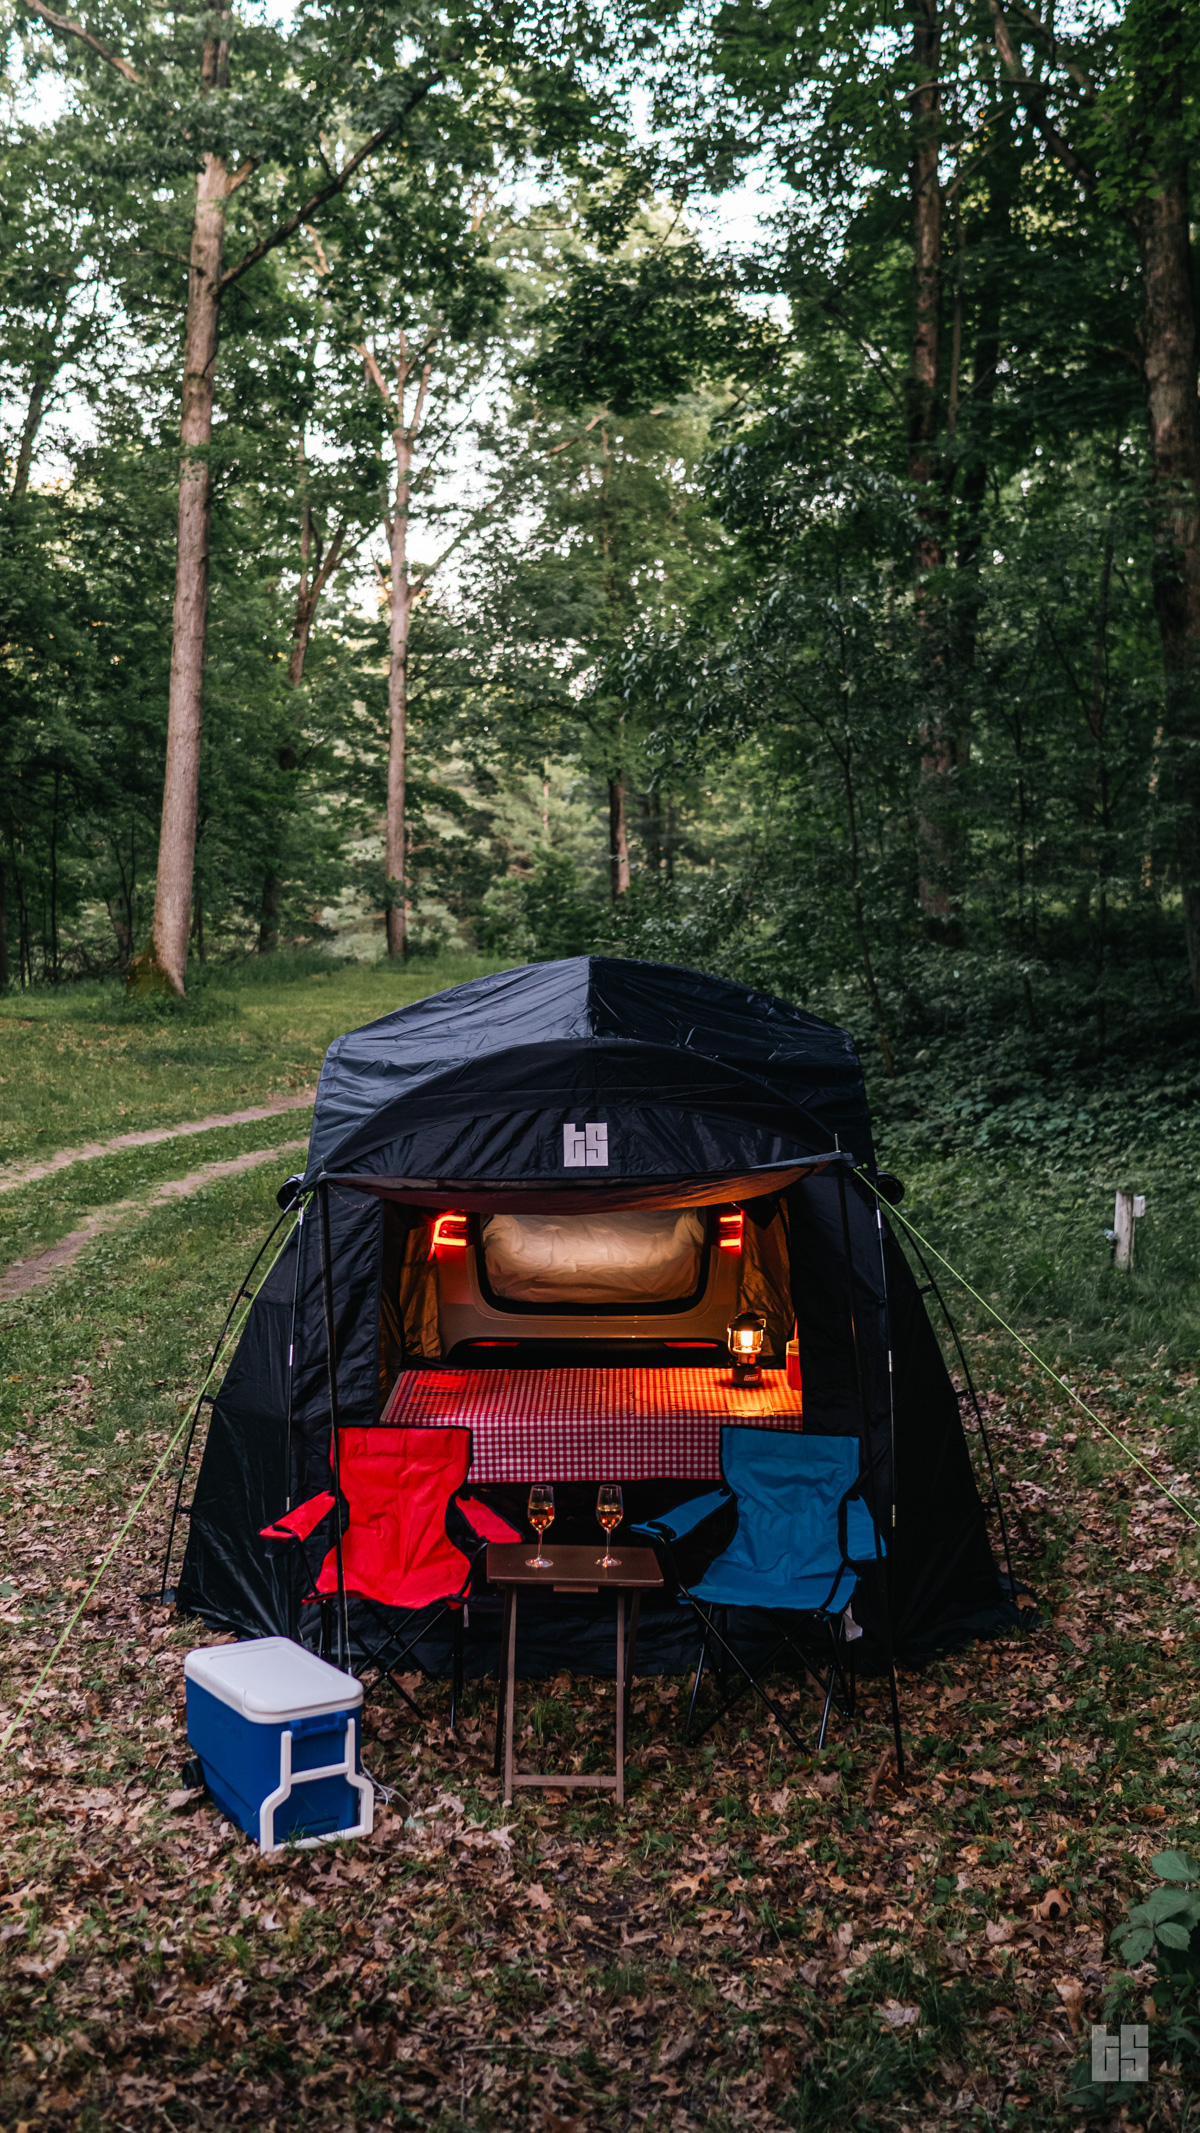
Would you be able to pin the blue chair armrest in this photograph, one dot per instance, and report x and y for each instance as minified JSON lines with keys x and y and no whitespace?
{"x":856,"y":1532}
{"x":684,"y":1519}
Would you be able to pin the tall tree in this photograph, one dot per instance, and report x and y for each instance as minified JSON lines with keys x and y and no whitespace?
{"x":1127,"y":129}
{"x":282,"y":121}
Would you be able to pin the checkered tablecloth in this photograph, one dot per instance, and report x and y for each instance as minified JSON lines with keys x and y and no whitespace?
{"x":592,"y":1424}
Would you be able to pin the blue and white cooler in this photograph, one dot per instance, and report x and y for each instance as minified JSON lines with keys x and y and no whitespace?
{"x":277,"y":1732}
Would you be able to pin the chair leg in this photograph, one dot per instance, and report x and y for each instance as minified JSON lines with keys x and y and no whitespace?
{"x":776,"y":1710}
{"x":837,"y":1679}
{"x":833,"y":1675}
{"x":687,"y":1731}
{"x":389,"y":1666}
{"x":456,"y":1666}
{"x":721,"y":1663}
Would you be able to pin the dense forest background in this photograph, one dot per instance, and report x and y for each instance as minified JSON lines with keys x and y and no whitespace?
{"x":704,"y":483}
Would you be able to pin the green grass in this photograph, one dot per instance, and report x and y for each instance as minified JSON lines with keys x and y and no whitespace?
{"x":435,"y":1988}
{"x":84,"y":1063}
{"x":109,"y":1354}
{"x":35,"y":1215}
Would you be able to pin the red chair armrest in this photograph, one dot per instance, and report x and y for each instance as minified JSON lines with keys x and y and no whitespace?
{"x":298,"y":1524}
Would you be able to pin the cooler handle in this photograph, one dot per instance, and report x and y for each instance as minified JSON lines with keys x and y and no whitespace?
{"x":288,"y":1778}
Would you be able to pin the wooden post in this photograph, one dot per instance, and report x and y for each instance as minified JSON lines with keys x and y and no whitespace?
{"x":1130,"y":1208}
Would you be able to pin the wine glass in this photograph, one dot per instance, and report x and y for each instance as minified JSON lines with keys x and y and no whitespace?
{"x":541,"y":1518}
{"x":610,"y":1510}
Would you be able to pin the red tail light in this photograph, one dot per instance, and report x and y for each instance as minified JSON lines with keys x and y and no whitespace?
{"x":729,"y":1231}
{"x":449,"y":1235}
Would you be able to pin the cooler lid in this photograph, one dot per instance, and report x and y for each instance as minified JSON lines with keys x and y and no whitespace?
{"x":269,"y":1679}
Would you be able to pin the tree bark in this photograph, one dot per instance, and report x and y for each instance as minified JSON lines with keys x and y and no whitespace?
{"x":927,"y":259}
{"x":939,"y":837}
{"x":618,"y":836}
{"x":316,"y":569}
{"x":975,"y":433}
{"x":181,"y":781}
{"x":310,"y":588}
{"x":34,"y":410}
{"x":268,"y":922}
{"x":400,"y":597}
{"x":1173,"y":416}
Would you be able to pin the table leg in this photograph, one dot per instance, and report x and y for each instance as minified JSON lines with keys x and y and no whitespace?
{"x":621,"y":1700}
{"x":501,"y":1681}
{"x":510,"y":1676}
{"x":631,"y":1652}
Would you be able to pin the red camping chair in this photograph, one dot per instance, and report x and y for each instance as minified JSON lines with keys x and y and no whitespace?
{"x":399,"y":1485}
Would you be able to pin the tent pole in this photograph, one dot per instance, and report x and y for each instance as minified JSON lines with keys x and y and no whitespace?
{"x":165,"y":1594}
{"x":293,"y":1609}
{"x":336,"y":1450}
{"x":869,"y":1456}
{"x":288,"y":1476}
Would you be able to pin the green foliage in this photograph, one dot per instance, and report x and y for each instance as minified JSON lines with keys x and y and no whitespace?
{"x":1167,"y":1925}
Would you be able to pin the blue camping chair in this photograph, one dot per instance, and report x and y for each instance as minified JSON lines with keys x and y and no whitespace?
{"x":803,"y":1532}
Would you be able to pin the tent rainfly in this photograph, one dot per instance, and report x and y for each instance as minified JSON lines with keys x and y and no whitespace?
{"x":590,"y":1087}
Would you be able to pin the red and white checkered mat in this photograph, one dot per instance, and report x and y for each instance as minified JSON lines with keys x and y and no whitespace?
{"x":592,"y":1424}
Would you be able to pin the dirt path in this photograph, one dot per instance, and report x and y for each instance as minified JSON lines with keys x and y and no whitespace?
{"x":36,"y":1272}
{"x":14,"y":1174}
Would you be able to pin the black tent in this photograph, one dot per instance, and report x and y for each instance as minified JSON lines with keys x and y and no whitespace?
{"x":695,"y":1092}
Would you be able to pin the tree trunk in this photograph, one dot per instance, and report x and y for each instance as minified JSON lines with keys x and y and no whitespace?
{"x":34,"y":410}
{"x":268,"y":923}
{"x":3,"y":929}
{"x":315,"y":573}
{"x":653,"y":832}
{"x":618,"y":839}
{"x":400,"y":593}
{"x":975,"y":434}
{"x":310,"y":588}
{"x":167,"y":959}
{"x":54,"y":884}
{"x":121,"y":934}
{"x":1170,"y":365}
{"x":25,"y":948}
{"x":927,"y":257}
{"x":305,"y":604}
{"x":938,"y":834}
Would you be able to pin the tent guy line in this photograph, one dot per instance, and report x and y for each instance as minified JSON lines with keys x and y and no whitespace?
{"x":1090,"y":1412}
{"x":231,"y":1334}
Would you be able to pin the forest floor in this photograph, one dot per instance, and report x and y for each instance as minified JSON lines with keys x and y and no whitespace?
{"x":762,"y":1937}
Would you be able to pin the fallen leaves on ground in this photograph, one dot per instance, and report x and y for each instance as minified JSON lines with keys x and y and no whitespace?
{"x":761,"y":1939}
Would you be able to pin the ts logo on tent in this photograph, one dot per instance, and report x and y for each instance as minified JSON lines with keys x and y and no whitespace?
{"x":585,"y":1145}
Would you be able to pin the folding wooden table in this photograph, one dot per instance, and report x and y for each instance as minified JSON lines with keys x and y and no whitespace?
{"x":571,"y":1570}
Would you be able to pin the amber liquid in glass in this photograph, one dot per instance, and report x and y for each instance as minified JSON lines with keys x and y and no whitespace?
{"x":541,"y":1518}
{"x":610,"y":1510}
